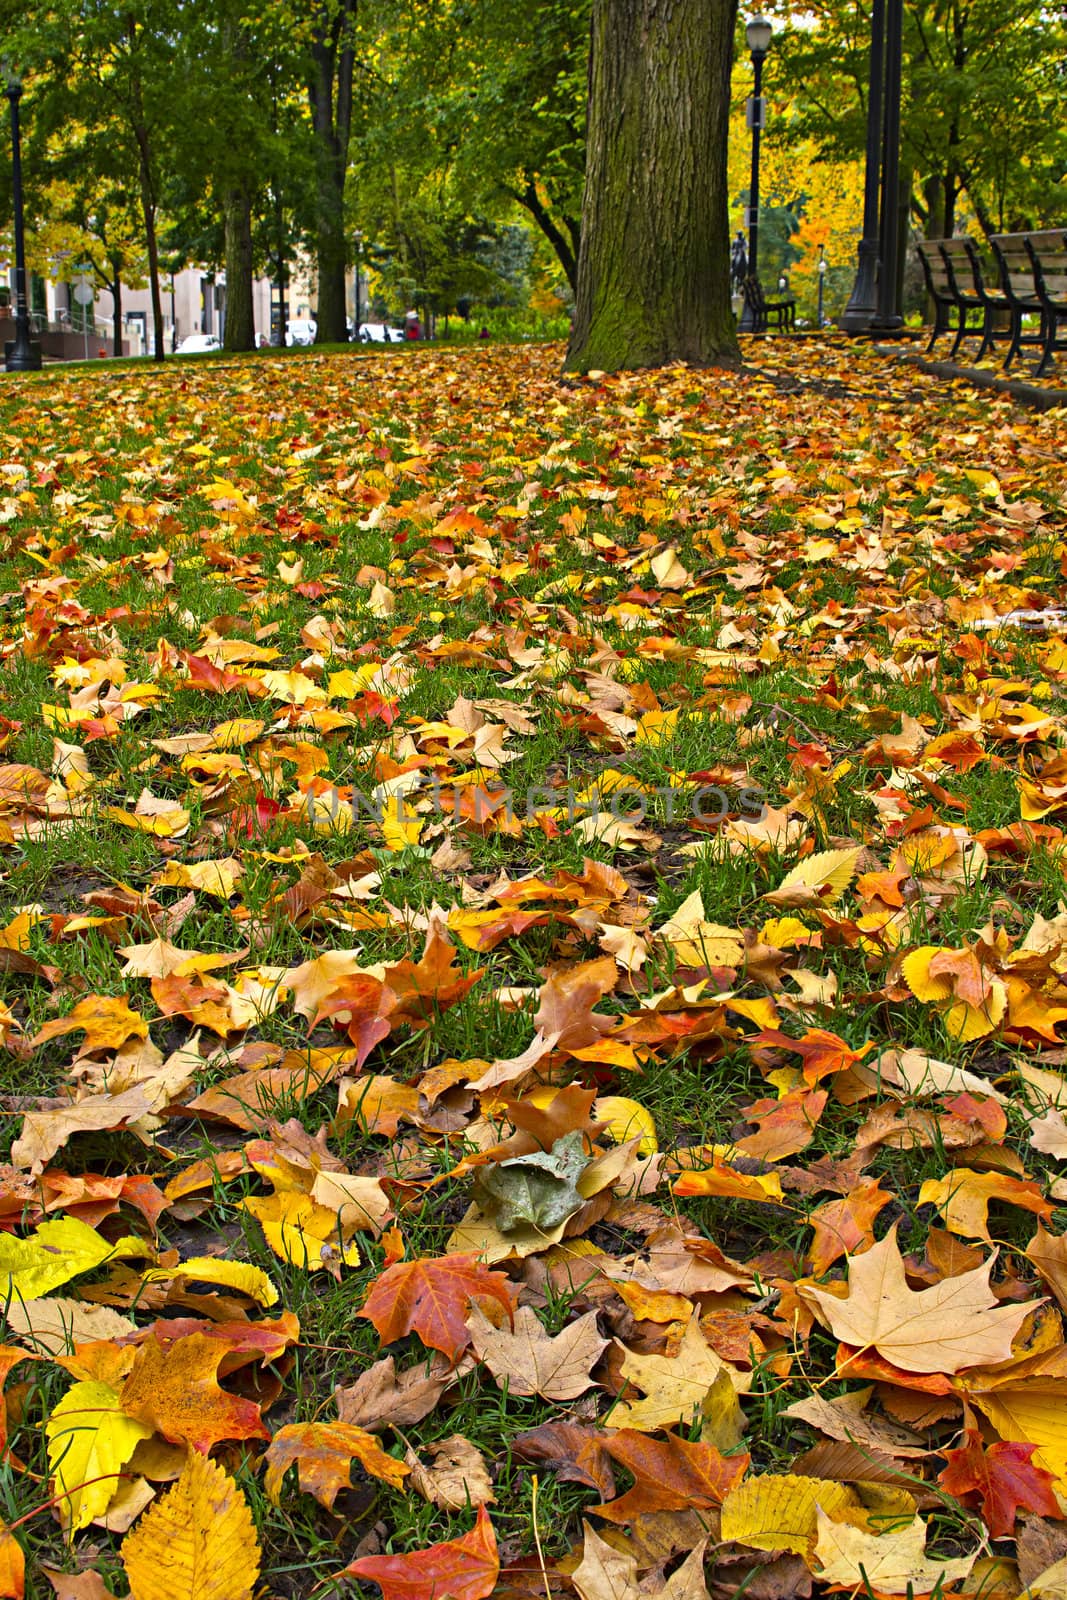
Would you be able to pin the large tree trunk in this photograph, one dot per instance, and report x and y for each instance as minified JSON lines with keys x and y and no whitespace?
{"x":654,"y":268}
{"x":152,"y":244}
{"x":116,"y":313}
{"x":240,"y":331}
{"x":330,"y":97}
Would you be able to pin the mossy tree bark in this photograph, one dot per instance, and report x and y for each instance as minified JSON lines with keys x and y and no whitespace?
{"x":330,"y":96}
{"x":240,"y":330}
{"x":654,"y":268}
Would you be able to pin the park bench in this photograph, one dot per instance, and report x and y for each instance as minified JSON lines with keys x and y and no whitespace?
{"x":1033,"y":274}
{"x":783,"y":312}
{"x":957,"y":282}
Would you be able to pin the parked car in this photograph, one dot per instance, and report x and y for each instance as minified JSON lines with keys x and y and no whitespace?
{"x":301,"y":331}
{"x":379,"y":333}
{"x":196,"y":343}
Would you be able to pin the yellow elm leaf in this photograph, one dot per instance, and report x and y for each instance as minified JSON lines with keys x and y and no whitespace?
{"x":349,"y":682}
{"x":779,"y":1513}
{"x":236,"y":731}
{"x":53,"y":1254}
{"x":400,"y":828}
{"x":210,"y":877}
{"x":656,"y":727}
{"x":162,"y":824}
{"x":239,"y":1275}
{"x":90,"y":1440}
{"x":894,"y":1562}
{"x":198,"y":1542}
{"x":818,"y":880}
{"x":965,"y":1022}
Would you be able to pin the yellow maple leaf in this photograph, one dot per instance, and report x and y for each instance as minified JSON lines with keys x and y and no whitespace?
{"x":300,"y":1231}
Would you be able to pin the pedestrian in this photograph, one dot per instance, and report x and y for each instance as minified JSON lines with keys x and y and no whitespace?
{"x":484,"y":333}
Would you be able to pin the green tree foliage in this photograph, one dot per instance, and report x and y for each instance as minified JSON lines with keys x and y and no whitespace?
{"x":108,"y":68}
{"x":983,"y":87}
{"x":477,"y":108}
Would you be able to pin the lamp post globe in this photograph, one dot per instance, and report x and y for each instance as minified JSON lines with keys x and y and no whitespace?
{"x":758,"y":33}
{"x":22,"y":354}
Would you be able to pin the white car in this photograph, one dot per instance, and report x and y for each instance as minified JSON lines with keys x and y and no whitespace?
{"x":196,"y":343}
{"x":379,"y":333}
{"x":301,"y":331}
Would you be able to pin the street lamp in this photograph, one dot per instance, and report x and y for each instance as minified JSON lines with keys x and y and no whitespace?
{"x":358,"y":236}
{"x":23,"y":354}
{"x":758,"y":35}
{"x":822,"y":280}
{"x":873,"y":301}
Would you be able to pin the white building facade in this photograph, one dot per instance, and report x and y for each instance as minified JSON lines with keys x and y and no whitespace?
{"x":194,"y":301}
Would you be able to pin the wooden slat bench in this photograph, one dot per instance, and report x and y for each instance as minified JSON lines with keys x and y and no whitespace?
{"x":783,"y":312}
{"x":941,"y":289}
{"x":957,"y":281}
{"x":1032,"y":273}
{"x":1048,"y":253}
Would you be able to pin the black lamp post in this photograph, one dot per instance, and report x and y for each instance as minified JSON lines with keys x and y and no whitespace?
{"x":822,"y":282}
{"x":863,"y":301}
{"x":873,"y":302}
{"x":358,"y":236}
{"x":23,"y":354}
{"x":888,"y":318}
{"x":758,"y":35}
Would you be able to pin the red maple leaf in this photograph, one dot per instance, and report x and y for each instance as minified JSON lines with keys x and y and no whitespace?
{"x":432,"y":1297}
{"x":1003,"y":1478}
{"x":464,"y":1569}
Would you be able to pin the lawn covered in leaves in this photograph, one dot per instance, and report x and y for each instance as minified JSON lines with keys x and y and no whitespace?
{"x":532,"y":980}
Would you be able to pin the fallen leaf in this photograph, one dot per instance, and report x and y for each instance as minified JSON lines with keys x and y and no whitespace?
{"x":675,"y":1387}
{"x":951,"y":1325}
{"x":962,"y":1196}
{"x":780,"y":1512}
{"x":197,"y":1542}
{"x":175,"y":1391}
{"x":90,"y":1440}
{"x":431,"y":1298}
{"x":323,"y":1453}
{"x":456,"y":1479}
{"x":1002,"y":1478}
{"x":526,"y":1360}
{"x":890,"y":1563}
{"x":382,"y":1397}
{"x":464,"y":1569}
{"x":670,"y":1474}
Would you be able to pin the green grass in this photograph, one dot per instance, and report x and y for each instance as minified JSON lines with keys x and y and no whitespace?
{"x":783,"y":685}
